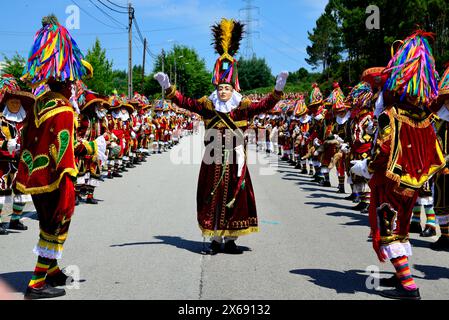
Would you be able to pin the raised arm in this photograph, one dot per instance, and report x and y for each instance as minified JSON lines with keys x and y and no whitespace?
{"x":176,"y":96}
{"x":271,"y":100}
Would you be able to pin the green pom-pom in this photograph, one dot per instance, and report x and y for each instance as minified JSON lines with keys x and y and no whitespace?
{"x":49,"y":20}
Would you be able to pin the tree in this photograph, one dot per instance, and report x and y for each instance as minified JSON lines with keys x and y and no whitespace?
{"x":192,"y":77}
{"x":102,"y":79}
{"x":254,"y":73}
{"x":326,"y":45}
{"x":15,"y":66}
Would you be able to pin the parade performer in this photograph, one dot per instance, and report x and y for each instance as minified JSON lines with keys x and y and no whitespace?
{"x":92,"y":134}
{"x":117,"y":146}
{"x":47,"y":164}
{"x":407,"y":155}
{"x":329,"y":141}
{"x":362,"y":137}
{"x":225,"y":197}
{"x":316,"y":109}
{"x":441,"y":185}
{"x":14,"y":106}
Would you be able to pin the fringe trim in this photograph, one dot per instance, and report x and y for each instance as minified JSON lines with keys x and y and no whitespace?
{"x":396,"y":250}
{"x":170,"y":92}
{"x":228,"y":233}
{"x":415,"y":124}
{"x":48,"y":253}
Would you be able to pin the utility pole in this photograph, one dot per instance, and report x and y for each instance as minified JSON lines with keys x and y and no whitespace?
{"x":163,"y":65}
{"x":175,"y":70}
{"x":130,"y":51}
{"x":143,"y":64}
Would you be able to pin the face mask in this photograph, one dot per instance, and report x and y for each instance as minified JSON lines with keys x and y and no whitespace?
{"x":443,"y":113}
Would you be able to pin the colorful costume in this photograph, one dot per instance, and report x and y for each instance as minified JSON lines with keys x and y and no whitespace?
{"x":225,"y":198}
{"x":406,"y":156}
{"x":15,"y":104}
{"x":47,"y":167}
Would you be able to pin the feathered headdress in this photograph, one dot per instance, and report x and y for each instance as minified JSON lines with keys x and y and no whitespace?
{"x":227,"y":36}
{"x":361,"y":95}
{"x":54,"y":54}
{"x":412,"y":69}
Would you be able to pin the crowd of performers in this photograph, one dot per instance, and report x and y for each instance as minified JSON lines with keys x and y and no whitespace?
{"x":61,"y":140}
{"x":112,"y":134}
{"x":388,"y":139}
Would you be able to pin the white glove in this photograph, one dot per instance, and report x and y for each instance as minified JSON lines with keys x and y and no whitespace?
{"x":281,"y":80}
{"x":360,"y":168}
{"x":370,"y":127}
{"x":338,"y":138}
{"x":345,"y":148}
{"x":316,"y":142}
{"x":163,"y":80}
{"x":12,"y":145}
{"x":133,"y":135}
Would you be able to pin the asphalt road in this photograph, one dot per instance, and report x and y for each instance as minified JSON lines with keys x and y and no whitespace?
{"x":142,"y":241}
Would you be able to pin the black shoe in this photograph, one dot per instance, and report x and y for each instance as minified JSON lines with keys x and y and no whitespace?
{"x":365,"y":210}
{"x":360,"y":206}
{"x":110,"y":176}
{"x":401,"y":294}
{"x":3,"y":231}
{"x":392,"y":282}
{"x":214,"y":248}
{"x":17,"y":225}
{"x":311,"y":173}
{"x":77,"y":201}
{"x":325,"y":183}
{"x":45,"y":292}
{"x":231,"y":248}
{"x":159,"y":152}
{"x":304,"y":171}
{"x":415,"y":227}
{"x":123,"y":169}
{"x":442,"y":244}
{"x":341,"y":189}
{"x":350,"y":197}
{"x":91,"y":201}
{"x":117,"y":175}
{"x":60,"y":279}
{"x":298,"y":166}
{"x":428,"y":232}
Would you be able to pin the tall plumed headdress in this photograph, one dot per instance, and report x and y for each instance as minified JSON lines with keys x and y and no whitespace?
{"x":316,"y":97}
{"x":444,"y":85}
{"x":412,"y":70}
{"x":336,"y":96}
{"x":9,"y":88}
{"x":300,"y":107}
{"x":361,"y":95}
{"x":227,"y":36}
{"x":54,"y":54}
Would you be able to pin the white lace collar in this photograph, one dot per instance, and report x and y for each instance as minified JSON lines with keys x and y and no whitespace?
{"x":305,"y":119}
{"x":116,"y":114}
{"x":227,"y":106}
{"x":342,"y":120}
{"x":19,"y":116}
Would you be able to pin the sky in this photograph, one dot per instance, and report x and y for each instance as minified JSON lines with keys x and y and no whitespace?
{"x":280,"y":27}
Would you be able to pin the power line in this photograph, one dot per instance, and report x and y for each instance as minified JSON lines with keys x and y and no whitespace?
{"x":111,"y":8}
{"x":87,"y":12}
{"x":107,"y":14}
{"x":123,"y":7}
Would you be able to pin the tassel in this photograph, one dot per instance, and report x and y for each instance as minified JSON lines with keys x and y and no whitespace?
{"x":230,"y":205}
